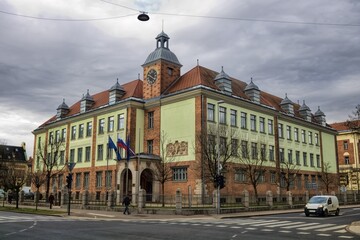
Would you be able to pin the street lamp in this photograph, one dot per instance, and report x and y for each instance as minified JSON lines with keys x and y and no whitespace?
{"x":143,"y":17}
{"x":218,"y":166}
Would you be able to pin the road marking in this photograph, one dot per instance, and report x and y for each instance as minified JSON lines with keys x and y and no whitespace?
{"x":255,"y":222}
{"x":285,"y":224}
{"x":268,"y":224}
{"x":323,"y":235}
{"x":303,"y":233}
{"x":235,"y":227}
{"x":285,"y":231}
{"x":101,"y":215}
{"x":251,"y":228}
{"x":341,"y":231}
{"x":267,"y":230}
{"x":301,"y":225}
{"x":348,"y":237}
{"x":221,"y":226}
{"x":331,"y":228}
{"x":316,"y":226}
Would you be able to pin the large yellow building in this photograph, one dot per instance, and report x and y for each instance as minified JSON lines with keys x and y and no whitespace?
{"x":169,"y":116}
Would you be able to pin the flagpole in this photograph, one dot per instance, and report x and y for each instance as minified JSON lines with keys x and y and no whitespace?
{"x":127,"y":171}
{"x":138,"y":173}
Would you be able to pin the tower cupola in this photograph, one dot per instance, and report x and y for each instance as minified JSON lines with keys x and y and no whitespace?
{"x":287,"y":105}
{"x":86,"y":102}
{"x":305,"y":112}
{"x":320,"y":117}
{"x":62,"y":110}
{"x":253,"y":92}
{"x":223,"y":82}
{"x":115,"y":93}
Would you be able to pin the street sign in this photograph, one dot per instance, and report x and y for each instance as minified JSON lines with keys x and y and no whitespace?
{"x":71,"y":166}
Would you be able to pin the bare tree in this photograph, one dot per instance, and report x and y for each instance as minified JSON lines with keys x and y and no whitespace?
{"x":354,"y":119}
{"x":287,"y":174}
{"x":38,"y":179}
{"x":252,"y":164}
{"x":163,"y":171}
{"x":212,"y":153}
{"x":14,"y":178}
{"x":50,"y":155}
{"x":327,"y":178}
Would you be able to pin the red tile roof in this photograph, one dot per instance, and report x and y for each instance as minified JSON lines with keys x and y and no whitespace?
{"x":344,"y":126}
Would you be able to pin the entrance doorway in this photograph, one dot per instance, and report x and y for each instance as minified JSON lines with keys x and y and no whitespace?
{"x":146,"y":183}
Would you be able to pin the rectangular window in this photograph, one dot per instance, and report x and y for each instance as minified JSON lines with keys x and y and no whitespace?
{"x":89,"y":129}
{"x":252,"y":122}
{"x":260,"y":176}
{"x":272,"y":177}
{"x":288,"y":132}
{"x":101,"y":125}
{"x":100,"y":152}
{"x":78,"y":180}
{"x":312,"y":164}
{"x":303,"y":136}
{"x":121,"y":121}
{"x":271,"y":153}
{"x":262,"y":124}
{"x":347,"y":160}
{"x":290,"y":156}
{"x":98,"y":179}
{"x":223,"y":146}
{"x":180,"y":174}
{"x":244,"y":149}
{"x":79,"y":155}
{"x":63,"y":134}
{"x":87,"y":154}
{"x":297,"y":157}
{"x":81,"y":130}
{"x":263,"y":152}
{"x":316,"y":139}
{"x":318,"y":164}
{"x":211,"y":112}
{"x":243,"y":120}
{"x":305,"y":158}
{"x":60,"y":180}
{"x":108,"y":179}
{"x":51,"y":138}
{"x":73,"y":132}
{"x":234,"y":147}
{"x":233,"y":116}
{"x":86,"y":180}
{"x":57,"y":136}
{"x":270,"y":127}
{"x":281,"y":155}
{"x":296,"y":134}
{"x":240,"y":175}
{"x":310,"y":138}
{"x":111,"y":124}
{"x":346,"y":145}
{"x":298,"y":181}
{"x":254,"y":153}
{"x":72,"y":155}
{"x":62,"y":157}
{"x":150,"y":147}
{"x":281,"y":130}
{"x":222,"y":112}
{"x":150,"y":120}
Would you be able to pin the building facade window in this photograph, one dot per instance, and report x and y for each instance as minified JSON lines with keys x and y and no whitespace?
{"x":211,"y":112}
{"x":111,"y":124}
{"x":281,"y":130}
{"x":252,"y":122}
{"x":72,"y":155}
{"x":297,"y":157}
{"x":233,"y":117}
{"x":234,"y":147}
{"x":243,"y":120}
{"x":57,"y":136}
{"x":305,"y":159}
{"x":288,"y":132}
{"x":223,"y":146}
{"x":150,"y":146}
{"x":100,"y":152}
{"x":240,"y":175}
{"x":271,"y":153}
{"x":263,"y":152}
{"x":347,"y":160}
{"x":121,"y":121}
{"x":254,"y":151}
{"x":89,"y":129}
{"x":310,"y":138}
{"x":87,"y":154}
{"x":271,"y":127}
{"x":79,"y":155}
{"x":62,"y":157}
{"x":262,"y":124}
{"x":150,"y":120}
{"x":296,"y":134}
{"x":281,"y":155}
{"x":98,"y":179}
{"x":108,"y":179}
{"x":316,"y":136}
{"x":222,"y":115}
{"x":290,"y":156}
{"x":63,"y":135}
{"x":73,"y":132}
{"x":346,"y":145}
{"x":51,"y":137}
{"x":272,"y":177}
{"x":78,"y":180}
{"x":303,"y":136}
{"x":180,"y":174}
{"x":244,"y":149}
{"x":86,"y":180}
{"x":81,"y":130}
{"x":318,"y":163}
{"x":101,"y":125}
{"x":298,"y":181}
{"x":312,"y":164}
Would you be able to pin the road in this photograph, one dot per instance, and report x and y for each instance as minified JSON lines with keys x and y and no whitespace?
{"x":283,"y":226}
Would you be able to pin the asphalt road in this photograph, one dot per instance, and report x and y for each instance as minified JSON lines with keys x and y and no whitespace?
{"x":282,"y":226}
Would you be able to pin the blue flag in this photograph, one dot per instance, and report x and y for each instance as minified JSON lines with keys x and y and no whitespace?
{"x":112,"y":145}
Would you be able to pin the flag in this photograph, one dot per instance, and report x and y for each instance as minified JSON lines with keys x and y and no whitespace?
{"x":126,"y":146}
{"x":112,"y":145}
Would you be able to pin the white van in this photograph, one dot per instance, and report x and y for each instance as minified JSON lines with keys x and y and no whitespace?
{"x":322,"y":205}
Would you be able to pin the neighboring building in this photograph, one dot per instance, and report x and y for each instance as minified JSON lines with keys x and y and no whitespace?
{"x":348,"y":144}
{"x":183,"y":106}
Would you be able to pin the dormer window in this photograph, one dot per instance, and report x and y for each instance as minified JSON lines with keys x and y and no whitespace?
{"x":170,"y":71}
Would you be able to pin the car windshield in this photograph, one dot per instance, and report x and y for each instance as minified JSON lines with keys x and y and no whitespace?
{"x":318,"y":200}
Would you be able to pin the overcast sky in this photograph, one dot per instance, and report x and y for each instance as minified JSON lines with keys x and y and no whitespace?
{"x":307,"y":49}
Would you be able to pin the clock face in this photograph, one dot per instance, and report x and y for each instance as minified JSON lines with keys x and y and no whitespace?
{"x":151,"y":76}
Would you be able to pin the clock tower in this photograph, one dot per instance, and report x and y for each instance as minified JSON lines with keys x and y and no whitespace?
{"x":161,"y":68}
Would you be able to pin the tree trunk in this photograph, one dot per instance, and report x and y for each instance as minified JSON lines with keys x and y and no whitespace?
{"x":48,"y":178}
{"x":163,"y":195}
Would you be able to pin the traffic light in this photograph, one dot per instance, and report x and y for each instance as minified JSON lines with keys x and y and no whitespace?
{"x":221,"y":181}
{"x":69,"y":180}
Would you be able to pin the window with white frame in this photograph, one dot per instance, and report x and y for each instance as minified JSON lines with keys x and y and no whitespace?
{"x":101,"y":126}
{"x":252,"y":122}
{"x":240,"y":175}
{"x":233,"y":117}
{"x":81,"y":130}
{"x":303,"y":136}
{"x":243,"y":120}
{"x":288,"y":132}
{"x":111,"y":124}
{"x":296,"y":134}
{"x":98,"y":179}
{"x":281,"y":130}
{"x":271,"y":127}
{"x":290,"y":156}
{"x":271,"y":153}
{"x":180,"y":174}
{"x":211,"y":112}
{"x":121,"y":121}
{"x":222,"y":115}
{"x":262,"y":124}
{"x":100,"y":152}
{"x":88,"y":129}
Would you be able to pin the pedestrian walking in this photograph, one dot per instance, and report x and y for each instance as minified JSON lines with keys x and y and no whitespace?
{"x":51,"y":200}
{"x":126,"y":203}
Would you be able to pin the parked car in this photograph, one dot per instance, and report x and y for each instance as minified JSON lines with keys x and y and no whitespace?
{"x":2,"y":193}
{"x":322,"y":205}
{"x":28,"y":194}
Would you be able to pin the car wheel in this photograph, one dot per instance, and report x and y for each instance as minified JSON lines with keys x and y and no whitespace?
{"x":326,"y":213}
{"x":307,"y":214}
{"x":337,"y":212}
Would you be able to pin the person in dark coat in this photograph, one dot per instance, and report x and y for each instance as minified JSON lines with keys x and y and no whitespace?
{"x":126,"y":203}
{"x":51,"y":200}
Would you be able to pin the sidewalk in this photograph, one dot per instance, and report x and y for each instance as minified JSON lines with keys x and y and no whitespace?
{"x":113,"y":215}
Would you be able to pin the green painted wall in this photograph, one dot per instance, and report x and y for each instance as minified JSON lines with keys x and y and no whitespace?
{"x":329,"y":150}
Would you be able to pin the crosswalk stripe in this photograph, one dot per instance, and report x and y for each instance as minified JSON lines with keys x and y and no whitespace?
{"x":330,"y":228}
{"x":255,"y":222}
{"x":268,"y":224}
{"x":285,"y":224}
{"x":301,"y":225}
{"x":316,"y":226}
{"x":341,"y":231}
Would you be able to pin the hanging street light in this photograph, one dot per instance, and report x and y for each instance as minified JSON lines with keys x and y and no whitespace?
{"x":143,"y":17}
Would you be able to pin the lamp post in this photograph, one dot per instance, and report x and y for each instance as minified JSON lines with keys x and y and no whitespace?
{"x":69,"y":181}
{"x":218,"y":166}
